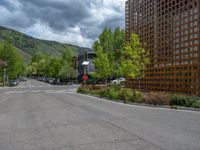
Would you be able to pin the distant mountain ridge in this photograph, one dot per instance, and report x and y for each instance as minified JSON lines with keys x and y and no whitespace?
{"x":28,"y":45}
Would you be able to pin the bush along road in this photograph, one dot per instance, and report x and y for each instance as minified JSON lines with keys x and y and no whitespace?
{"x":126,"y":95}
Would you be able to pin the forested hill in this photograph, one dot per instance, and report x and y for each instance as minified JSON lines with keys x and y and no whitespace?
{"x":28,"y":45}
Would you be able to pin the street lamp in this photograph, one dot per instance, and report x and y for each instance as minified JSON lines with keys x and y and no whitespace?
{"x":85,"y":64}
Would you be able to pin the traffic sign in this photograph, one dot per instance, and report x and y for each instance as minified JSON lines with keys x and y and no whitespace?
{"x":85,"y":77}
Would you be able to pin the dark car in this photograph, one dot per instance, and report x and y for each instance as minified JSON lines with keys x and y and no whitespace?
{"x":13,"y":83}
{"x":56,"y":81}
{"x":21,"y":79}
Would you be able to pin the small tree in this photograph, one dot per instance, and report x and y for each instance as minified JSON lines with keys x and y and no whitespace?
{"x":135,"y":58}
{"x":102,"y":64}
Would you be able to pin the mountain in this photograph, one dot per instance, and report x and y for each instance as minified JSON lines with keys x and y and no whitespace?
{"x":28,"y":45}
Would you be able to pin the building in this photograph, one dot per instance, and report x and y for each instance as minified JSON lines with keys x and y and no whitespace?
{"x":87,"y":55}
{"x":171,"y":31}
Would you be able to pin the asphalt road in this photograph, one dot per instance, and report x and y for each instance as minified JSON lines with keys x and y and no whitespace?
{"x":38,"y":116}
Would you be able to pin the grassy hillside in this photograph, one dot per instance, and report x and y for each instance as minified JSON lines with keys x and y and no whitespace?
{"x":28,"y":45}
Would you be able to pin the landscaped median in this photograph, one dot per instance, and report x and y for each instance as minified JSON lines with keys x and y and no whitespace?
{"x":127,"y":95}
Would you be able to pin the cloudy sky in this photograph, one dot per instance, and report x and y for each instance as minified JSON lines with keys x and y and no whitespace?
{"x":69,"y":21}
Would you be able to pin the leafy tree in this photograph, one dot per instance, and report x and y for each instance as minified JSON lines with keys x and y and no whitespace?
{"x":12,"y":57}
{"x":112,"y":44}
{"x":54,"y":67}
{"x":102,"y":63}
{"x":135,"y":58}
{"x":47,"y":65}
{"x":67,"y":70}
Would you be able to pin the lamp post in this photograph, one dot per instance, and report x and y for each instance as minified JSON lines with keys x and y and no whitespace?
{"x":85,"y":64}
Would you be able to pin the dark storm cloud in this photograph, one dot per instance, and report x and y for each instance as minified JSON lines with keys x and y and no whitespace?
{"x":79,"y":18}
{"x":7,"y":4}
{"x":58,"y":14}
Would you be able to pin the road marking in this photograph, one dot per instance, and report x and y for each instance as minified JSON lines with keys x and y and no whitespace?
{"x":49,"y":91}
{"x":37,"y":91}
{"x":21,"y":92}
{"x":11,"y":92}
{"x":44,"y":91}
{"x":61,"y":91}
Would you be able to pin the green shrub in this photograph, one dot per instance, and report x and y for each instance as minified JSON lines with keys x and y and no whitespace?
{"x":137,"y":97}
{"x":196,"y":104}
{"x":80,"y":90}
{"x":110,"y":92}
{"x":183,"y":100}
{"x":173,"y":107}
{"x":95,"y":92}
{"x":113,"y":93}
{"x":83,"y":90}
{"x":126,"y":94}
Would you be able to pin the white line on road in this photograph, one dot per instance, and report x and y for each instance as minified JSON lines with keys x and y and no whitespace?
{"x":45,"y":91}
{"x":61,"y":91}
{"x":36,"y":91}
{"x":11,"y":92}
{"x":21,"y":92}
{"x":50,"y":91}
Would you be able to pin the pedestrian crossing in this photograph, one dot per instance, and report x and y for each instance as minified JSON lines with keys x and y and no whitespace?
{"x":27,"y":87}
{"x":32,"y":86}
{"x":41,"y":91}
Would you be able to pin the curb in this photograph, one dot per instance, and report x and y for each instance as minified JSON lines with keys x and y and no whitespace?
{"x":146,"y":105}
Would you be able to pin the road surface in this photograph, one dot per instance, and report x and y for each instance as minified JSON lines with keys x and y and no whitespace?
{"x":38,"y":116}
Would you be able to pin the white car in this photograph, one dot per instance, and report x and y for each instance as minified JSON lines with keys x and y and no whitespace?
{"x":118,"y":80}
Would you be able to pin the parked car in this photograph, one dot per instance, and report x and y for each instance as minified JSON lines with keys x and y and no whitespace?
{"x":23,"y":79}
{"x":57,"y":81}
{"x":13,"y":83}
{"x":118,"y":80}
{"x":51,"y":80}
{"x":45,"y":79}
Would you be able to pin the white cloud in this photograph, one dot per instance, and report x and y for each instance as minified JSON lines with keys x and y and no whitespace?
{"x":43,"y":31}
{"x":69,"y":21}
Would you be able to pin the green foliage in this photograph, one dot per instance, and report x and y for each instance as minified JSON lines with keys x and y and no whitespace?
{"x":173,"y":107}
{"x":12,"y":57}
{"x":135,"y":58}
{"x":102,"y":63}
{"x":138,"y":97}
{"x":186,"y":101}
{"x":50,"y":66}
{"x":81,"y":90}
{"x":114,"y":93}
{"x":128,"y":61}
{"x":67,"y":68}
{"x":196,"y":104}
{"x":112,"y":44}
{"x":129,"y":95}
{"x":126,"y":94}
{"x":111,"y":92}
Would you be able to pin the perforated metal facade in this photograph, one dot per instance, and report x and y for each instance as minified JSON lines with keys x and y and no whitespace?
{"x":171,"y":31}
